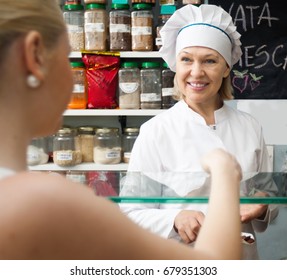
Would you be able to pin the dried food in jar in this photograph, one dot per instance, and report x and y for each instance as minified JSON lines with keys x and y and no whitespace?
{"x":96,"y":27}
{"x":79,"y":96}
{"x":167,"y":80}
{"x":86,"y":139}
{"x":95,"y":1}
{"x":107,"y":146}
{"x":142,"y":26}
{"x":120,"y":28}
{"x":74,"y":18}
{"x":150,"y":85}
{"x":66,"y":157}
{"x":129,"y":86}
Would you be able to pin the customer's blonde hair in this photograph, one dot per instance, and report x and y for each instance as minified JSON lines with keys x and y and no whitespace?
{"x":18,"y":17}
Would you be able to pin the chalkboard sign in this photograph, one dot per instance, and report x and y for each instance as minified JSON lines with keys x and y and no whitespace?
{"x":262,"y":71}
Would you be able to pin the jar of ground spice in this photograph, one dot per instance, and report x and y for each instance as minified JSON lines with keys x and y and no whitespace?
{"x":193,"y":2}
{"x":150,"y":96}
{"x":129,"y":86}
{"x":107,"y":146}
{"x":142,"y":26}
{"x":74,"y":17}
{"x":79,"y":95}
{"x":96,"y":27}
{"x":167,"y":81}
{"x":128,"y":139}
{"x":95,"y":1}
{"x":64,"y":150}
{"x":120,"y":27}
{"x":86,"y":139}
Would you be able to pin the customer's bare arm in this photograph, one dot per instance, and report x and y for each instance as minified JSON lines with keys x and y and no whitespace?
{"x":222,"y":222}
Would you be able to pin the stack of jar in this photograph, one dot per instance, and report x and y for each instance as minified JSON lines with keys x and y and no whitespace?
{"x":150,"y":87}
{"x":85,"y":144}
{"x":94,"y":29}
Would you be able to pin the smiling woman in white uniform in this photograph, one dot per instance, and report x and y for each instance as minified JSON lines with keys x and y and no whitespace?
{"x":201,"y":45}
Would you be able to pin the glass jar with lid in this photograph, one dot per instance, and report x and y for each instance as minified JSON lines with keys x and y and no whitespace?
{"x":142,"y":27}
{"x":96,"y":27}
{"x":64,"y":148}
{"x":95,"y":1}
{"x":86,"y":139}
{"x":107,"y":146}
{"x":167,"y":80}
{"x":128,"y":139}
{"x":166,"y":12}
{"x":143,"y":1}
{"x":129,"y":86}
{"x":77,"y":176}
{"x":150,"y":96}
{"x":79,"y":95}
{"x":193,"y":2}
{"x":37,"y":152}
{"x":74,"y":18}
{"x":120,"y":27}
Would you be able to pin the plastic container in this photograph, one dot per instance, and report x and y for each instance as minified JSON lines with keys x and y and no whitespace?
{"x":166,"y":12}
{"x":193,"y":2}
{"x":96,"y":27}
{"x":107,"y":146}
{"x":86,"y":142}
{"x":167,"y":81}
{"x":64,"y":148}
{"x":150,"y":97}
{"x":95,"y":1}
{"x":142,"y":26}
{"x":128,"y":139}
{"x":79,"y":95}
{"x":120,"y":27}
{"x":129,"y":86}
{"x":74,"y":17}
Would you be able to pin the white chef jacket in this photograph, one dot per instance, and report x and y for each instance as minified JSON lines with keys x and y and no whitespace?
{"x":172,"y":144}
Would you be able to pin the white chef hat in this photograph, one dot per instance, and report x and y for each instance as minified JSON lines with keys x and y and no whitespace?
{"x":206,"y":26}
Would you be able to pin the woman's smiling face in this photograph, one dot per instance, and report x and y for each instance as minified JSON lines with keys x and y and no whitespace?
{"x":199,"y":74}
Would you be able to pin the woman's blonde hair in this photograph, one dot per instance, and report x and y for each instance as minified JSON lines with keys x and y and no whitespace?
{"x":225,"y":91}
{"x":18,"y":17}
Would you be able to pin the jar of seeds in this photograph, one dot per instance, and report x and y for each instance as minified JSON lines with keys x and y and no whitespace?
{"x":74,"y":17}
{"x":96,"y":27}
{"x":150,"y":85}
{"x":128,"y":139}
{"x":86,"y":139}
{"x":64,"y":149}
{"x":129,"y":86}
{"x":142,"y":27}
{"x":120,"y":27}
{"x":107,"y":146}
{"x":167,"y":80}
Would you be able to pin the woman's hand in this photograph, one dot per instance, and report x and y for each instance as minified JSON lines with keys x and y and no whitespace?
{"x":187,"y":224}
{"x":248,"y":212}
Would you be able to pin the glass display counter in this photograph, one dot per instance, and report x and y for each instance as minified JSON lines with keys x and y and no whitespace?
{"x":188,"y":190}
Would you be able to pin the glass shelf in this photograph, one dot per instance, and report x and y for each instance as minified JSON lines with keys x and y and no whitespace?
{"x":121,"y":186}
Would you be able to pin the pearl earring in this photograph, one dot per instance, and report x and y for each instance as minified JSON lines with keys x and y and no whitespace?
{"x":32,"y":81}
